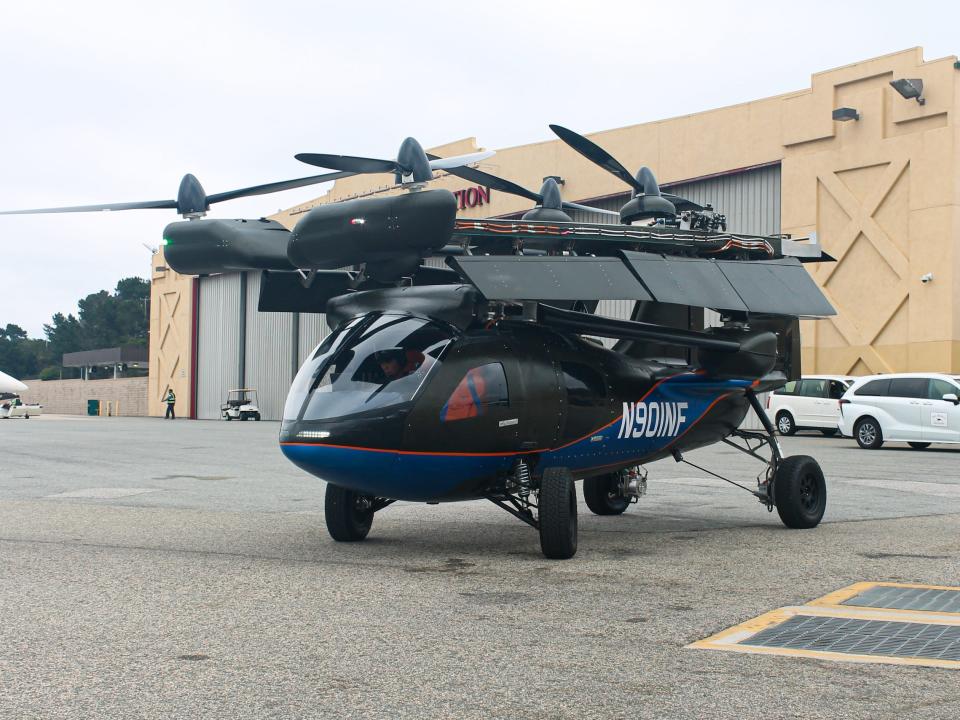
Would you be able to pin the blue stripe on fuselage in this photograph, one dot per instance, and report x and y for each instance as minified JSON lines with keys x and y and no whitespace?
{"x":645,"y":428}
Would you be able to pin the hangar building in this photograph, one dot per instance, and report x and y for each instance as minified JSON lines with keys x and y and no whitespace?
{"x":881,"y":192}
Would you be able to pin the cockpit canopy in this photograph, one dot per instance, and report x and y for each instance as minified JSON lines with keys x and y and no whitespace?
{"x":369,"y":363}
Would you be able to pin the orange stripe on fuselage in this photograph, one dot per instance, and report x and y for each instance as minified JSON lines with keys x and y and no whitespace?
{"x":521,"y":452}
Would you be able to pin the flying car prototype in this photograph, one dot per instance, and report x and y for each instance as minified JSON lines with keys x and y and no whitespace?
{"x":485,"y":380}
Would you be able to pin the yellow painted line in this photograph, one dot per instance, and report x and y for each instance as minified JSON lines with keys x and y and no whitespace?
{"x":736,"y":639}
{"x":837,"y":598}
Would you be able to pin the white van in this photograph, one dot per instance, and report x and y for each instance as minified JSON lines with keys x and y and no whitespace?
{"x":915,"y":408}
{"x":812,"y":402}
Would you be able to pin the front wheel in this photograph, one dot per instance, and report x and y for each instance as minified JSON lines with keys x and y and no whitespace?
{"x":800,"y":492}
{"x":257,"y":417}
{"x":868,"y":434}
{"x":785,"y":424}
{"x":557,"y":508}
{"x":602,"y":495}
{"x":349,"y":515}
{"x":919,"y":445}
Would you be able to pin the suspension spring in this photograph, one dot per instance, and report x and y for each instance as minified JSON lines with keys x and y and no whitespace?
{"x":521,"y":476}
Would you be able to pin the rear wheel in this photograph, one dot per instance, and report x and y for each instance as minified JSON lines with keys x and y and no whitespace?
{"x":829,"y":432}
{"x":868,"y":433}
{"x":785,"y":424}
{"x":919,"y":445}
{"x":800,"y":492}
{"x":349,"y":515}
{"x":602,"y":495}
{"x":557,"y":510}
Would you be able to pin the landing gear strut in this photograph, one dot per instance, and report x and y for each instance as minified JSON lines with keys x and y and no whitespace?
{"x":549,"y":505}
{"x":795,"y":486}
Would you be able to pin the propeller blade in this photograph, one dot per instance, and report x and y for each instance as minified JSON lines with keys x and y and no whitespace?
{"x":276,"y":186}
{"x":145,"y":205}
{"x":458,"y":160}
{"x":491,"y":181}
{"x":578,"y":206}
{"x":348,"y":163}
{"x":681,"y":203}
{"x":596,"y":154}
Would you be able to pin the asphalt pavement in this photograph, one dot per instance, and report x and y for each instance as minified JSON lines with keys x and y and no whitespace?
{"x":157,"y":569}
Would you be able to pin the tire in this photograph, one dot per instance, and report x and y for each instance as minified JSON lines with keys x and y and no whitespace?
{"x":227,"y":418}
{"x":257,"y":417}
{"x":919,"y":445}
{"x":602,"y":495}
{"x":800,"y":492}
{"x":243,"y":417}
{"x":346,"y":520}
{"x":829,"y":433}
{"x":868,"y":433}
{"x":558,"y":514}
{"x":786,"y":424}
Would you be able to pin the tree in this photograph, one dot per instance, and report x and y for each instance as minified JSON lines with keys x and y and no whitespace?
{"x":19,"y":355}
{"x":63,"y":335}
{"x":104,"y":320}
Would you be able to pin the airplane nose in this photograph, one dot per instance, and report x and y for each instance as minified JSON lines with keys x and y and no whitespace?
{"x":11,"y":385}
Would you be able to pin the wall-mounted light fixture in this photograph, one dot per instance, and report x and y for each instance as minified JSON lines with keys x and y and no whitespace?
{"x":845,"y":113}
{"x":909,"y":89}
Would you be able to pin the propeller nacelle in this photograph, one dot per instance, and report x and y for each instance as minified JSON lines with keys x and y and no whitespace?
{"x":648,"y":204}
{"x":550,"y":208}
{"x":191,"y":198}
{"x":412,"y":163}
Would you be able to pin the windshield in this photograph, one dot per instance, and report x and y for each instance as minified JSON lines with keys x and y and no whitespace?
{"x":375,"y":362}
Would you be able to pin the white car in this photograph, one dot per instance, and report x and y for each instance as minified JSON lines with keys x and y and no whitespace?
{"x":810,"y":403}
{"x":916,"y":408}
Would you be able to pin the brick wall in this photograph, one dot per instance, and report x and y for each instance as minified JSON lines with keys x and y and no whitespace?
{"x":127,"y":396}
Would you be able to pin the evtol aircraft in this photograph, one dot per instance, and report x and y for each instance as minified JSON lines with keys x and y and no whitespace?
{"x":484,"y":379}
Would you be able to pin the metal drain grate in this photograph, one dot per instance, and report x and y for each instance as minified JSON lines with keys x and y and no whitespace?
{"x":862,"y":637}
{"x":907,"y":598}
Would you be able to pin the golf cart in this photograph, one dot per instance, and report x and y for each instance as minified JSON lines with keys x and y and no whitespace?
{"x":241,"y":404}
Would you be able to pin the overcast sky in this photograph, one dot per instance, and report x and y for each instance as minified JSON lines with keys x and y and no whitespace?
{"x":115,"y":101}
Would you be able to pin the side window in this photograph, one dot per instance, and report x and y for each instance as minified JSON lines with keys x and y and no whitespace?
{"x":586,"y":392}
{"x":909,"y":387}
{"x":939,"y":388}
{"x":789,"y":389}
{"x":481,"y":388}
{"x":837,"y":389}
{"x":813,"y":388}
{"x":585,"y":386}
{"x":877,"y":388}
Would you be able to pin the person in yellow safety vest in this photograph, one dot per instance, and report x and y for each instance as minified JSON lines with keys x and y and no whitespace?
{"x":170,"y":400}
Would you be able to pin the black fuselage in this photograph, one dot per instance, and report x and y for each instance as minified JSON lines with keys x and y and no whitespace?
{"x":479,"y":399}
